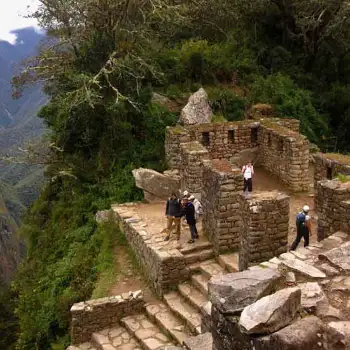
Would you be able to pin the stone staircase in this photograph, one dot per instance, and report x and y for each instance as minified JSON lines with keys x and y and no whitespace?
{"x":177,"y":318}
{"x":185,"y":313}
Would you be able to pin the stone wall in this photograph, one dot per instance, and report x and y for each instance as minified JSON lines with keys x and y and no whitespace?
{"x":221,"y":220}
{"x":327,"y":166}
{"x":264,"y":230}
{"x":285,"y":154}
{"x":163,"y":269}
{"x":94,"y":315}
{"x":174,"y":136}
{"x":332,"y":202}
{"x":192,"y":156}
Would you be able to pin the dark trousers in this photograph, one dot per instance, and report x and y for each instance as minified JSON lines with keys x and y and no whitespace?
{"x":193,"y":230}
{"x":302,"y":232}
{"x":248,"y":184}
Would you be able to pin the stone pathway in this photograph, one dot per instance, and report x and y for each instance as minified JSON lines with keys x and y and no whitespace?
{"x":183,"y":319}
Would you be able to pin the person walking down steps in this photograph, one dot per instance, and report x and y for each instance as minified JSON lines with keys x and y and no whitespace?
{"x":198,"y":211}
{"x":248,"y":172}
{"x":188,"y":211}
{"x":173,"y":215}
{"x":303,"y":223}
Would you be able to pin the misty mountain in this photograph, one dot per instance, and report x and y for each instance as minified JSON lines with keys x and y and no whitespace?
{"x":20,"y":184}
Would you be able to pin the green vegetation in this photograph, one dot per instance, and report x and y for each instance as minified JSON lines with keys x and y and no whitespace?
{"x":103,"y":124}
{"x":343,"y":178}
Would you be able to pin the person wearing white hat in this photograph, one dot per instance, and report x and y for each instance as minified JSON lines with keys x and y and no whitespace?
{"x":303,"y":223}
{"x":186,"y":194}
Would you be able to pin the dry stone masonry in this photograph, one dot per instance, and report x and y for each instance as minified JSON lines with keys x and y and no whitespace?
{"x":285,"y":153}
{"x":329,"y":165}
{"x":265,"y":226}
{"x":221,"y":220}
{"x":94,"y":315}
{"x":333,"y":207}
{"x":192,"y":154}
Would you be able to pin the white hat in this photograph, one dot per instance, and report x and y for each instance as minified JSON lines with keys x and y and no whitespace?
{"x":186,"y":193}
{"x":191,"y":197}
{"x":306,"y":208}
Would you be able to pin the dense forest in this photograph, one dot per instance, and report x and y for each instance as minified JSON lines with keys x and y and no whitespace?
{"x":100,"y":66}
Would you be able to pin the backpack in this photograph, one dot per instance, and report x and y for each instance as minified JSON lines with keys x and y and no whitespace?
{"x":300,"y":220}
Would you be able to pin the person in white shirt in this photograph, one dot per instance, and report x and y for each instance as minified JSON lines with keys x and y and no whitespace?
{"x":198,"y":210}
{"x":248,"y":172}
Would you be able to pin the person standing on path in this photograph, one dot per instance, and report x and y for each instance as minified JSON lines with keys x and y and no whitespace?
{"x":303,"y":223}
{"x":173,"y":215}
{"x":198,"y":209}
{"x":189,"y":212}
{"x":248,"y":172}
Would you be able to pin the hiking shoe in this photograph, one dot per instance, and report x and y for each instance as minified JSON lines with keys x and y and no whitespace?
{"x":191,"y":241}
{"x":166,"y":238}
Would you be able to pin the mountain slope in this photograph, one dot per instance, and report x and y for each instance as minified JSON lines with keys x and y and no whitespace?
{"x":20,"y":184}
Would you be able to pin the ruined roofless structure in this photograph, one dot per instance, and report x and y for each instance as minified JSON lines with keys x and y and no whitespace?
{"x":237,"y":287}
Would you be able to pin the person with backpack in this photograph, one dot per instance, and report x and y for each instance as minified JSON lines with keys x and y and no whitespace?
{"x":303,"y":223}
{"x":188,"y":211}
{"x":173,"y":215}
{"x":248,"y":172}
{"x":198,"y":209}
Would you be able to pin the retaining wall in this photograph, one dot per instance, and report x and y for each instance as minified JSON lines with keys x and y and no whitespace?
{"x":163,"y":269}
{"x":94,"y":315}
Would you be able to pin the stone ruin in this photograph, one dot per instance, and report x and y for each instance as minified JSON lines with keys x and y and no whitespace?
{"x":239,"y":288}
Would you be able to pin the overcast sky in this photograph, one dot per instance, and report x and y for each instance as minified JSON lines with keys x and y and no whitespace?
{"x":11,"y":16}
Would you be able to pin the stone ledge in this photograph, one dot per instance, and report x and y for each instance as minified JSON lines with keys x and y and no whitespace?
{"x":94,"y":315}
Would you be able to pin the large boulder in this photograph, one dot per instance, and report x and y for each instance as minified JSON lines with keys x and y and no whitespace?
{"x":304,"y":334}
{"x":197,"y":110}
{"x":339,"y":257}
{"x":311,"y":295}
{"x":157,"y":184}
{"x":271,"y":313}
{"x":231,"y":293}
{"x":339,"y":335}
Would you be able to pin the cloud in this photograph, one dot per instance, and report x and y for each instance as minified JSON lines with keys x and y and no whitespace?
{"x":12,"y":17}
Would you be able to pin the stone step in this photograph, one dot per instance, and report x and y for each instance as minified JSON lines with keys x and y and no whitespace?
{"x":194,"y":268}
{"x":170,"y":323}
{"x":211,"y":268}
{"x":192,"y":295}
{"x":229,"y":262}
{"x":201,"y":283}
{"x":190,"y":248}
{"x":184,"y":310}
{"x":200,"y":342}
{"x":117,"y":338}
{"x":200,"y":255}
{"x":146,"y":332}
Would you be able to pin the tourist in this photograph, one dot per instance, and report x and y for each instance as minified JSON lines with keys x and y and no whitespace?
{"x":248,"y":172}
{"x":188,"y":211}
{"x":198,"y":209}
{"x":173,"y":214}
{"x":303,"y":223}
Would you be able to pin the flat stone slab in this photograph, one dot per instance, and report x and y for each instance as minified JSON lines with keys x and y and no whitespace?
{"x":193,"y":295}
{"x":271,"y":313}
{"x":311,"y":294}
{"x":229,"y":262}
{"x":200,"y":342}
{"x":231,"y":293}
{"x":339,"y":257}
{"x":303,"y":268}
{"x":341,"y":284}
